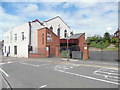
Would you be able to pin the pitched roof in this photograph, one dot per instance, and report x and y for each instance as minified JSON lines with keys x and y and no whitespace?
{"x":76,"y":36}
{"x":36,"y":21}
{"x":55,"y":18}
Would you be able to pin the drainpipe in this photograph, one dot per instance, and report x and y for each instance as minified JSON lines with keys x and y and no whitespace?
{"x":29,"y":36}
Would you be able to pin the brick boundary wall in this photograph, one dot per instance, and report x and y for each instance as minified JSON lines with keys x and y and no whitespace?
{"x":37,"y":56}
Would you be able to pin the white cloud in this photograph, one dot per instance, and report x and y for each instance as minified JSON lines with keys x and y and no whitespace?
{"x":100,"y":16}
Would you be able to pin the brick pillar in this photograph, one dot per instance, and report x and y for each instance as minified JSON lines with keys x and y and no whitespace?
{"x":47,"y":51}
{"x":57,"y":51}
{"x":85,"y":51}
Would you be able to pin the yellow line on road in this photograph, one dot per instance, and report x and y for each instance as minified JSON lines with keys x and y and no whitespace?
{"x":69,"y":63}
{"x":88,"y":65}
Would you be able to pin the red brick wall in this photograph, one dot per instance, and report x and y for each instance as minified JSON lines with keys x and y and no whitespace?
{"x":41,"y":46}
{"x":86,"y":51}
{"x":81,"y":42}
{"x":52,"y":44}
{"x":55,"y":41}
{"x":36,"y":56}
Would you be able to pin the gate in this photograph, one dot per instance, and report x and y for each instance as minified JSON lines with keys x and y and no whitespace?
{"x":77,"y":55}
{"x":72,"y":52}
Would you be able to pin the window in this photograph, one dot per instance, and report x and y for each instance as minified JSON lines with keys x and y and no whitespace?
{"x":15,"y":37}
{"x":22,"y":35}
{"x":9,"y":49}
{"x":49,"y":39}
{"x":58,"y":32}
{"x":51,"y":28}
{"x":15,"y":49}
{"x":43,"y":38}
{"x":65,"y":33}
{"x":5,"y":49}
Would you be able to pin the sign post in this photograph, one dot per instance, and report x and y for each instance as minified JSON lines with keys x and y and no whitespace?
{"x":67,"y":48}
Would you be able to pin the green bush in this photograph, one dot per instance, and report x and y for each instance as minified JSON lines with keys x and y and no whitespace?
{"x":65,"y":53}
{"x":100,"y":45}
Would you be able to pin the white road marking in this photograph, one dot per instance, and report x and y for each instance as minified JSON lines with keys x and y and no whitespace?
{"x":108,"y":74}
{"x":9,"y":62}
{"x":4,"y":72}
{"x":6,"y":83}
{"x":5,"y":63}
{"x":89,"y":77}
{"x":63,"y":67}
{"x":34,"y":64}
{"x":43,"y":86}
{"x":2,"y":63}
{"x":69,"y":59}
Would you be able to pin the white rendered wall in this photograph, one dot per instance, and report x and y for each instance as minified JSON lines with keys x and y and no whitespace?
{"x":56,"y":23}
{"x":22,"y":45}
{"x":34,"y":36}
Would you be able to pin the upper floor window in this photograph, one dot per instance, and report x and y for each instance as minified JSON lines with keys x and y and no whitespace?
{"x":65,"y":33}
{"x":58,"y":32}
{"x":15,"y":37}
{"x":51,"y":28}
{"x":43,"y":38}
{"x":22,"y":35}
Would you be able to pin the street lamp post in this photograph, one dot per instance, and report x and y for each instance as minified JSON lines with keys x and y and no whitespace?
{"x":101,"y":51}
{"x":118,"y":45}
{"x":67,"y":48}
{"x":117,"y":34}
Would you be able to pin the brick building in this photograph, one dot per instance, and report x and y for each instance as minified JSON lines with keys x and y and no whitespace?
{"x":21,"y":40}
{"x":117,"y":33}
{"x":48,"y":44}
{"x":75,"y":42}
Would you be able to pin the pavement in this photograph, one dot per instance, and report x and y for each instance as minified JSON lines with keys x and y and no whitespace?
{"x":58,"y":73}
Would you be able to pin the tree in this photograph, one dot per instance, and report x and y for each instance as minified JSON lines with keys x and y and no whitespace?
{"x":106,"y":37}
{"x":114,"y":41}
{"x":95,"y":38}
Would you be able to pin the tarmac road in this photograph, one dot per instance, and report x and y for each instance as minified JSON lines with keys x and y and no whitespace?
{"x":59,"y":73}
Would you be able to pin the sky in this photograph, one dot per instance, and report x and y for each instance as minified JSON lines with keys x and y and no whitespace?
{"x":93,"y":18}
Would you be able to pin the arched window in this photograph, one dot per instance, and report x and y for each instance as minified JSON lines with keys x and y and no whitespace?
{"x":65,"y":33}
{"x":58,"y":32}
{"x":51,"y":28}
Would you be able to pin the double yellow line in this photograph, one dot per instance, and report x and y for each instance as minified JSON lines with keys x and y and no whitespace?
{"x":88,"y":65}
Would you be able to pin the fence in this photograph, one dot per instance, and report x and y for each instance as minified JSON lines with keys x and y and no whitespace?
{"x":71,"y":54}
{"x":103,"y":55}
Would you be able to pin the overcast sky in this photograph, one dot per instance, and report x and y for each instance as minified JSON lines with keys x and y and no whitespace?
{"x":89,"y":17}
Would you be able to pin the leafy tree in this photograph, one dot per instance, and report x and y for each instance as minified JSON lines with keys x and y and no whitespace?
{"x":114,"y":41}
{"x":102,"y":42}
{"x":106,"y":37}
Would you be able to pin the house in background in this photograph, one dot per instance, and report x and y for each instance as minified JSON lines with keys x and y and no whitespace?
{"x":21,"y":40}
{"x":117,"y":33}
{"x":48,"y":44}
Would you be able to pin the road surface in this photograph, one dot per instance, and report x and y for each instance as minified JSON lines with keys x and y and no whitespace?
{"x":59,"y":73}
